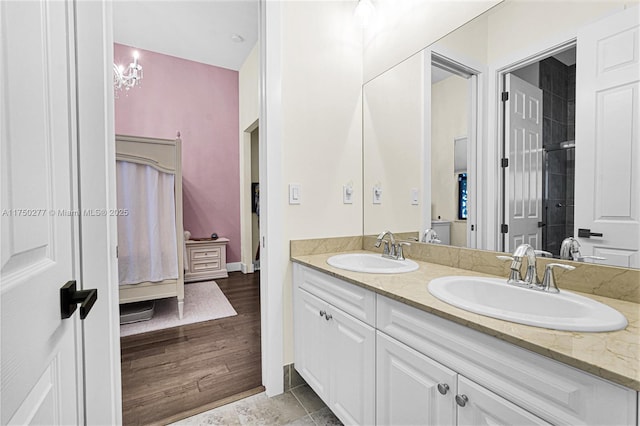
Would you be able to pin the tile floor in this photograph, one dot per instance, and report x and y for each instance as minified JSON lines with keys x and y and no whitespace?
{"x":300,"y":406}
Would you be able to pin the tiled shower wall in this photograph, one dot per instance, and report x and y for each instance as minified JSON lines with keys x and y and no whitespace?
{"x":557,"y":82}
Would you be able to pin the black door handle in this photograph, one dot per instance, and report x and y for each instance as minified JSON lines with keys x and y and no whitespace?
{"x":586,"y":233}
{"x":70,"y":297}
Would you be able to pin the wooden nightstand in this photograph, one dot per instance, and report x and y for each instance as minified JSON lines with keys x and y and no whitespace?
{"x":207,"y":259}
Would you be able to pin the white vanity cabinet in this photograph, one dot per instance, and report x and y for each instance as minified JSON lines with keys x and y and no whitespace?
{"x":547,"y":389}
{"x":413,"y":389}
{"x":334,"y":346}
{"x":375,"y":360}
{"x":407,"y":387}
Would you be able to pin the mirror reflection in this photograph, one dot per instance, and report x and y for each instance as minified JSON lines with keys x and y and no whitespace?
{"x":551,"y":163}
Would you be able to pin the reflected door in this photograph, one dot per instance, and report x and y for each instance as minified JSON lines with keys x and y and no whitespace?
{"x":607,"y":139}
{"x":523,"y":186}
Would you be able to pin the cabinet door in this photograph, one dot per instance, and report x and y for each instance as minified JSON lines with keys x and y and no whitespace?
{"x":352,"y":349}
{"x":407,"y":387}
{"x":483,"y":407}
{"x":311,"y":342}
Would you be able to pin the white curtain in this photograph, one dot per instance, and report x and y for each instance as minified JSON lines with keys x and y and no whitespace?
{"x":147,"y":247}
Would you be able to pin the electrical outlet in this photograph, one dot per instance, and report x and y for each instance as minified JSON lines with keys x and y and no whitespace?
{"x":347,"y":194}
{"x":377,"y":194}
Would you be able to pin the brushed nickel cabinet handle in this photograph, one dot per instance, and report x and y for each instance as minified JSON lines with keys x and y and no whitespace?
{"x":443,"y":388}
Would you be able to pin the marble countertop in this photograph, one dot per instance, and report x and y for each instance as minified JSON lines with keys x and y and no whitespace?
{"x":612,"y":355}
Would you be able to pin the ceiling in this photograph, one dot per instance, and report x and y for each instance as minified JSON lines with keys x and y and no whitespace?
{"x":200,"y":31}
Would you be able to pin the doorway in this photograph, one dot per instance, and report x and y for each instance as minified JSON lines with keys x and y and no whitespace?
{"x":453,"y":177}
{"x":539,"y":152}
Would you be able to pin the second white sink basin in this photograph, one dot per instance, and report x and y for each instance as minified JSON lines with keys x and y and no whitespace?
{"x":371,"y":263}
{"x":495,"y":298}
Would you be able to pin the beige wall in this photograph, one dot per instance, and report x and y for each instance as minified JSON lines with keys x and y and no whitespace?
{"x":449,"y":112}
{"x":321,"y":60}
{"x":404,"y":27}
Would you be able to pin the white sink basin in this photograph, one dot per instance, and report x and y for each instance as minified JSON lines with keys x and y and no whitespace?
{"x":371,"y":263}
{"x":495,"y":298}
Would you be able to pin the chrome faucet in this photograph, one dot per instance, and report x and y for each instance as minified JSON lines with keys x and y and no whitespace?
{"x":430,"y":236}
{"x":391,"y":249}
{"x":570,"y":250}
{"x":531,"y":279}
{"x":386,"y":250}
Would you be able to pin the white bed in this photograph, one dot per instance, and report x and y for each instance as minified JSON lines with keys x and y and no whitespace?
{"x":164,"y":155}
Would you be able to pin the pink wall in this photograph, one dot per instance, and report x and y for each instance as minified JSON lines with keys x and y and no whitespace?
{"x":200,"y":101}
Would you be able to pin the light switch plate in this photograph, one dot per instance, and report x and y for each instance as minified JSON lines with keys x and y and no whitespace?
{"x":414,"y":196}
{"x":294,"y":193}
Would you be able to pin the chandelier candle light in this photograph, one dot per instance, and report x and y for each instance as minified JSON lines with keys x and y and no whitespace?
{"x":129,"y":77}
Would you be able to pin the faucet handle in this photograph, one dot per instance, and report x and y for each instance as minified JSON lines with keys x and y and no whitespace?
{"x":514,"y":274}
{"x":505,"y":258}
{"x":582,"y":258}
{"x":549,"y":281}
{"x":399,"y":251}
{"x":543,"y":253}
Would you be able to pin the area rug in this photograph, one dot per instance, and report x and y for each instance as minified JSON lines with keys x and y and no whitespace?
{"x":203,"y":301}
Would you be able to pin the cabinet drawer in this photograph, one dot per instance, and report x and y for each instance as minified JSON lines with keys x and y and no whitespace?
{"x":549,"y":389}
{"x":209,"y":265}
{"x":205,"y":253}
{"x":356,"y":301}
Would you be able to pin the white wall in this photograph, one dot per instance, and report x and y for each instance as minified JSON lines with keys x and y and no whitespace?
{"x":248,"y":88}
{"x":249,"y":106}
{"x":321,"y":143}
{"x":394,"y":135}
{"x":403,"y":27}
{"x":449,"y":118}
{"x":519,"y":24}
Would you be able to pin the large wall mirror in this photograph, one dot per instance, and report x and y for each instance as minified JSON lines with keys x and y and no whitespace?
{"x":519,"y":127}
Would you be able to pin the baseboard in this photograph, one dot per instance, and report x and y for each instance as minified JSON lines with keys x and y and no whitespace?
{"x":246,"y":269}
{"x":234,"y":267}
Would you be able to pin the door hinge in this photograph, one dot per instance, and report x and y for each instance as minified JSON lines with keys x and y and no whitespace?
{"x":504,"y":228}
{"x":504,"y":162}
{"x":505,"y":96}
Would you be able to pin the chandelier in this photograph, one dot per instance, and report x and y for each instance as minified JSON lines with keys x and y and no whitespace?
{"x":125,"y":79}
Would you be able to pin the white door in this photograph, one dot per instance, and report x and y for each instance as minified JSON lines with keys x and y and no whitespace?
{"x":311,"y":342}
{"x":607,"y":139}
{"x":478,"y":406}
{"x":352,"y":349}
{"x":523,"y":186}
{"x":412,"y":389}
{"x":41,"y":364}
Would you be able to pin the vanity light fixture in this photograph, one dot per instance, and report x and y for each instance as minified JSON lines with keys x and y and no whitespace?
{"x":125,"y":79}
{"x":364,"y":12}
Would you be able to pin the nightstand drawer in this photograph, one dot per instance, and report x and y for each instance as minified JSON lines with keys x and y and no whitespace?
{"x":206,"y":259}
{"x":205,"y":253}
{"x":209,"y":265}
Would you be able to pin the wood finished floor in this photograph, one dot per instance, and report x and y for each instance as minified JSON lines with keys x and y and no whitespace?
{"x":167,"y":373}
